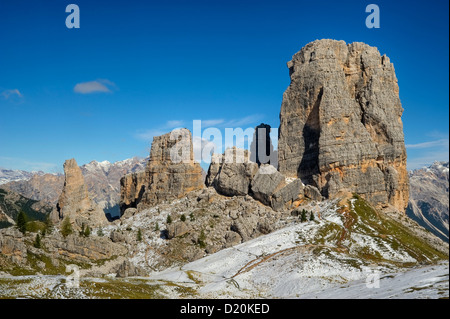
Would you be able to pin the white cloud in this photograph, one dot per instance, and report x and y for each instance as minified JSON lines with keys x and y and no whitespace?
{"x":438,"y":143}
{"x":214,"y":122}
{"x":7,"y":94}
{"x":97,"y":86}
{"x":233,"y":123}
{"x":242,"y":122}
{"x":426,"y":159}
{"x":147,"y":135}
{"x":425,"y":153}
{"x":174,"y":123}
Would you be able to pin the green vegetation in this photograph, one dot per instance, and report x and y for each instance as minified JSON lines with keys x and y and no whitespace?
{"x":311,"y":216}
{"x":66,"y":227}
{"x":37,"y":242}
{"x":191,"y":217}
{"x":157,"y":227}
{"x":201,"y":241}
{"x":100,"y":232}
{"x":22,"y":222}
{"x":35,"y":226}
{"x":190,"y":274}
{"x":398,"y":236}
{"x":182,"y":290}
{"x":169,"y":219}
{"x":303,"y":216}
{"x":139,"y":235}
{"x":48,"y":225}
{"x":119,"y":289}
{"x":358,"y":217}
{"x":183,"y":218}
{"x":85,"y":231}
{"x":129,"y":288}
{"x":328,"y":233}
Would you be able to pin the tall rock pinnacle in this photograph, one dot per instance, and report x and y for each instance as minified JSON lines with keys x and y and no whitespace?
{"x":340,"y":123}
{"x":74,"y":200}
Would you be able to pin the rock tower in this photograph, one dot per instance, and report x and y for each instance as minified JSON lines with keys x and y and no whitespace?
{"x":340,"y":123}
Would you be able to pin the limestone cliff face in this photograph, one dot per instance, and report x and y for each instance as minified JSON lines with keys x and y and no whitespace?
{"x":132,"y":187}
{"x":171,"y":173}
{"x":74,"y":201}
{"x":340,"y":123}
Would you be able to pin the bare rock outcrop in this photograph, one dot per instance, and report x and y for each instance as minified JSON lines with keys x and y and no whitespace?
{"x":128,"y":269}
{"x":74,"y":201}
{"x":340,"y":123}
{"x":85,"y":248}
{"x":312,"y":192}
{"x":132,"y":187}
{"x":232,"y":172}
{"x":266,"y":183}
{"x":171,"y":172}
{"x":286,"y":196}
{"x":12,"y":245}
{"x":177,"y":229}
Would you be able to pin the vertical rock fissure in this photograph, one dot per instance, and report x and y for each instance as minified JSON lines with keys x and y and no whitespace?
{"x":309,"y":164}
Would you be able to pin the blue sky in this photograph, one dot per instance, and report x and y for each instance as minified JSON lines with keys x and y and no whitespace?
{"x":136,"y":69}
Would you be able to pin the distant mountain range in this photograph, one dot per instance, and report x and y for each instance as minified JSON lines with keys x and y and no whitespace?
{"x":8,"y":175}
{"x":429,"y":202}
{"x":102,"y":180}
{"x":428,"y":205}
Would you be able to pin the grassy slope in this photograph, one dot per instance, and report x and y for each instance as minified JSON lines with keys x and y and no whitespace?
{"x":360,"y":220}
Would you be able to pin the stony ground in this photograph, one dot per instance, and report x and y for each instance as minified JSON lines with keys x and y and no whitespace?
{"x":331,"y":256}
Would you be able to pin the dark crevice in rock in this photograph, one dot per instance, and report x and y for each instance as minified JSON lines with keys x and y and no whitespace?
{"x":309,"y":165}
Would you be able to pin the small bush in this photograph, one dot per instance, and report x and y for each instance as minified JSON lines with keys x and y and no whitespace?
{"x":183,"y":218}
{"x":191,"y":217}
{"x":48,"y":225}
{"x":303,"y":216}
{"x":311,"y":216}
{"x":66,"y":227}
{"x":169,"y":219}
{"x":139,"y":235}
{"x":201,"y":241}
{"x":100,"y":232}
{"x":157,"y":227}
{"x":22,"y":222}
{"x":37,"y":241}
{"x":87,"y":231}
